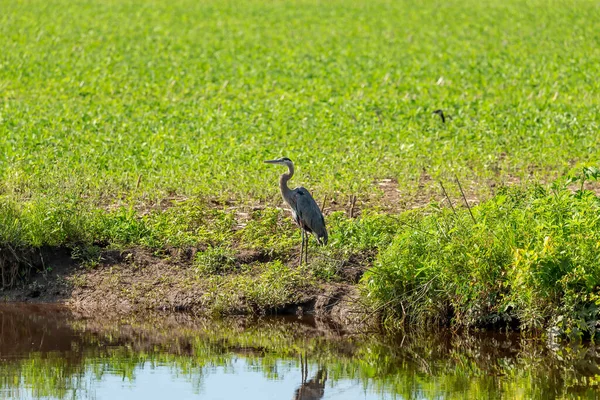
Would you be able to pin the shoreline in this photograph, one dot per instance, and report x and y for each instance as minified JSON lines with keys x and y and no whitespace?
{"x":524,"y":259}
{"x":136,"y":281}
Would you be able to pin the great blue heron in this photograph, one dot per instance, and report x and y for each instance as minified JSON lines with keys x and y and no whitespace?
{"x":305,"y":210}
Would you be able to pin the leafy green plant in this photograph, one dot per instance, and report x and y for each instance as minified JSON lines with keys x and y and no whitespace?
{"x":529,"y":257}
{"x":87,"y":256}
{"x":215,"y":260}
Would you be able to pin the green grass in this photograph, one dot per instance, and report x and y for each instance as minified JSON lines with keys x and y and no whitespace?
{"x":193,"y":95}
{"x":146,"y":123}
{"x":527,"y":258}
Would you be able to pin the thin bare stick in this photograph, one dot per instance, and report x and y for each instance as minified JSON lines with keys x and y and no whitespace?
{"x":403,"y":317}
{"x":465,"y":199}
{"x":44,"y":269}
{"x":352,"y":203}
{"x":323,"y":204}
{"x":139,"y":181}
{"x":448,"y":198}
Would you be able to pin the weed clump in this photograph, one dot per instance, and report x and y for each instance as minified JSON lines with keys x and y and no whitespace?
{"x":263,"y":288}
{"x":528,"y":257}
{"x":215,"y":260}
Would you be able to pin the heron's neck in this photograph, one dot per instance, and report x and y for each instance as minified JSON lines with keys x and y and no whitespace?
{"x":283,"y":181}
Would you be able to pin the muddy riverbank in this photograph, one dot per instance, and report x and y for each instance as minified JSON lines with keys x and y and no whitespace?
{"x":136,"y":280}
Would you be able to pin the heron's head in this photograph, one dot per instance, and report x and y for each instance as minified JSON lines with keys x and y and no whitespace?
{"x":281,"y":161}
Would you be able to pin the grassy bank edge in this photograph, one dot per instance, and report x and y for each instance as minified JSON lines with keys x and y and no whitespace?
{"x":526,"y":258}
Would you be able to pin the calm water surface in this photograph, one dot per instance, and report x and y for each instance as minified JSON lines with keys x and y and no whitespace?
{"x":48,"y":352}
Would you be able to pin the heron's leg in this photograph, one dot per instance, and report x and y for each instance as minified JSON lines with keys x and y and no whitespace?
{"x":305,"y":245}
{"x":301,"y":247}
{"x":306,"y":249}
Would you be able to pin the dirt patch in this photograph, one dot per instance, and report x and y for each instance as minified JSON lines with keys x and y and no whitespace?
{"x":249,"y":256}
{"x":593,"y":186}
{"x":136,"y":280}
{"x":391,"y":193}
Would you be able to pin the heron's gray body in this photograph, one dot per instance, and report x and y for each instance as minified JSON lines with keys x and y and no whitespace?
{"x":305,"y":210}
{"x":307,"y":214}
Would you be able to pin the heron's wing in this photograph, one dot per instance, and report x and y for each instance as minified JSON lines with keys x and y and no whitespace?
{"x":308,"y":212}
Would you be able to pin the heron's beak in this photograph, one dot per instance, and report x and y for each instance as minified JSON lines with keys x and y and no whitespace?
{"x":272,"y":161}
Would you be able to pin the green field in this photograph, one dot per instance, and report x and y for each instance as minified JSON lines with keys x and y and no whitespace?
{"x":145,"y":123}
{"x":193,"y":95}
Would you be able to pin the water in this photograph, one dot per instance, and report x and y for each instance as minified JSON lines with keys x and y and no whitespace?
{"x":48,"y":352}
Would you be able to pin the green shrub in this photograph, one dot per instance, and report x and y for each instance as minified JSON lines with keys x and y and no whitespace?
{"x":530,"y":255}
{"x":215,"y":260}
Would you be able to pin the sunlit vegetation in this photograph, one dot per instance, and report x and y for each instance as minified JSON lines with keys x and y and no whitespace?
{"x":523,"y":258}
{"x":137,"y":101}
{"x":135,"y":123}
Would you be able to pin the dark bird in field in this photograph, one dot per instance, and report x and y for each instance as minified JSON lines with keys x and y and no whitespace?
{"x":441,"y":114}
{"x":305,"y":211}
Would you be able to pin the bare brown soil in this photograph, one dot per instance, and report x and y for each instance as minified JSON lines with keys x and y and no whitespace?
{"x":134,"y":281}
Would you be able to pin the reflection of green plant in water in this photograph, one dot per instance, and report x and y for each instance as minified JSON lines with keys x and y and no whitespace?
{"x":46,"y":375}
{"x":425,"y":365}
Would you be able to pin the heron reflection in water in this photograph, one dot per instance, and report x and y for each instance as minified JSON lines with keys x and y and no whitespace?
{"x":313,"y":389}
